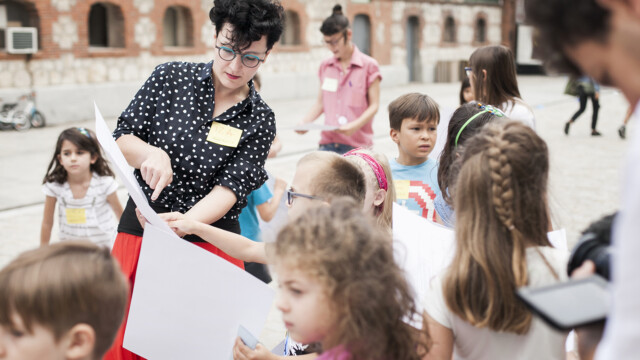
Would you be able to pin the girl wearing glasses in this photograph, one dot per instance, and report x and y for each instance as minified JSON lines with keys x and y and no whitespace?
{"x":320,"y":177}
{"x":492,"y":74}
{"x":198,"y":134}
{"x":350,"y":89}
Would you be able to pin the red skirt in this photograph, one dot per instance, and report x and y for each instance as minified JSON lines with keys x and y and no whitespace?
{"x":127,"y":251}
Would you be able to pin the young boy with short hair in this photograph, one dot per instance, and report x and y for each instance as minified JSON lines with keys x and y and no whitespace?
{"x":62,"y":301}
{"x":413,"y":119}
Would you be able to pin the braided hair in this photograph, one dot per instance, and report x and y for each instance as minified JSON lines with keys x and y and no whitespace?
{"x":501,"y":209}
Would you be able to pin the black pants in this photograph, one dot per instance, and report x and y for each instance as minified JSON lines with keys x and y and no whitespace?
{"x":583,"y":105}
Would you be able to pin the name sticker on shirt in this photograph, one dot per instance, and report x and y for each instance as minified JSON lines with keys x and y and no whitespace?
{"x":402,"y":188}
{"x":330,"y":84}
{"x":224,"y":135}
{"x":76,"y":216}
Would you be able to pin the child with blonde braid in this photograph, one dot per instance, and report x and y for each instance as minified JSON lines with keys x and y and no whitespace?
{"x":501,"y":229}
{"x":340,"y":286}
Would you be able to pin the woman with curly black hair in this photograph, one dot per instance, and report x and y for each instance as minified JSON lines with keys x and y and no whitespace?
{"x":198,"y":134}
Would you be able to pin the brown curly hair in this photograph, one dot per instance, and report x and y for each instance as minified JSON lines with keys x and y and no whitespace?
{"x":353,"y":259}
{"x":501,"y":209}
{"x":84,"y":139}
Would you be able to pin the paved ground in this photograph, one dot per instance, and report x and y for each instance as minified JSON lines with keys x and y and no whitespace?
{"x":584,"y":178}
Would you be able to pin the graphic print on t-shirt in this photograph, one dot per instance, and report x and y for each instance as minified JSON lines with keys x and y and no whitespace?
{"x":417,"y":197}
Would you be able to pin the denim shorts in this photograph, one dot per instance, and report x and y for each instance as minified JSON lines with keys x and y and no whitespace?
{"x":335,"y":147}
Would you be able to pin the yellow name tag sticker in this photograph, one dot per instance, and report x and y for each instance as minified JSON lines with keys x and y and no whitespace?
{"x":402,"y":188}
{"x":76,"y":216}
{"x":224,"y":135}
{"x":330,"y":84}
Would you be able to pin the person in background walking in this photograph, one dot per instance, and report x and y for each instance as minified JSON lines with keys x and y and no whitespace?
{"x":586,"y":88}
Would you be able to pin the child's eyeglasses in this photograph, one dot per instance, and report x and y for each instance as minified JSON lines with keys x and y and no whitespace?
{"x":248,"y":60}
{"x":292,"y":195}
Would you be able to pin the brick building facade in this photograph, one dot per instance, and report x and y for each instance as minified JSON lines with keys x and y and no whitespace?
{"x":104,"y":49}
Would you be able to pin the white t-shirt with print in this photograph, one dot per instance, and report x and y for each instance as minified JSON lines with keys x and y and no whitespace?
{"x":90,"y":218}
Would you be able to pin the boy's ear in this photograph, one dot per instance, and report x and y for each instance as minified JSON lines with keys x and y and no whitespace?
{"x":80,"y":342}
{"x":393,"y":133}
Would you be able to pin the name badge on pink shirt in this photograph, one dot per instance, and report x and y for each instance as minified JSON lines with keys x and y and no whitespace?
{"x":330,"y":84}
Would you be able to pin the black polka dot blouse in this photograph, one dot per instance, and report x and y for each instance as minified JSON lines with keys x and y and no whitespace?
{"x":174,"y":112}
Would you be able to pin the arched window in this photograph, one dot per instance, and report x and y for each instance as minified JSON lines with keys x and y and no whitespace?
{"x":362,"y":33}
{"x":481,"y":30}
{"x":106,"y":25}
{"x":177,"y":26}
{"x":449,"y":35}
{"x":413,"y":48}
{"x":17,"y":14}
{"x":291,"y":34}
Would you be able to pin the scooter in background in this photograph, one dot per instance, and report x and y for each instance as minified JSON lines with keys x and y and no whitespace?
{"x":21,"y":115}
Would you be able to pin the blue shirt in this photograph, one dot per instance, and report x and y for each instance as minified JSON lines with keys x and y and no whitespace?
{"x":417,"y":187}
{"x":248,"y":218}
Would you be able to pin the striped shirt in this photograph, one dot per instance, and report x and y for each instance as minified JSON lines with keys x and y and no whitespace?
{"x":90,"y":218}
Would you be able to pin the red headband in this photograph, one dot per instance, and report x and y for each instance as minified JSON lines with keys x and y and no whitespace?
{"x":375,"y":166}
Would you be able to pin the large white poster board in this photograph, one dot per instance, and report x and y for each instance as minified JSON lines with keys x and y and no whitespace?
{"x":422,"y":248}
{"x":189,"y":303}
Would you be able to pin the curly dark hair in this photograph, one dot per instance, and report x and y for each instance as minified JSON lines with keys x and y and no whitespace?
{"x":368,"y":293}
{"x":250,"y":19}
{"x":562,"y":23}
{"x":84,"y":139}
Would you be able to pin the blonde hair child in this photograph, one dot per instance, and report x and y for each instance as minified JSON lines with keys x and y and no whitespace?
{"x":340,"y":286}
{"x":83,"y":186}
{"x":502,"y":245}
{"x":320,"y":177}
{"x":381,"y":193}
{"x":63,"y":301}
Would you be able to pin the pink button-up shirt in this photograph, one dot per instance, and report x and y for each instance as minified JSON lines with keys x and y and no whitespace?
{"x":349,"y":100}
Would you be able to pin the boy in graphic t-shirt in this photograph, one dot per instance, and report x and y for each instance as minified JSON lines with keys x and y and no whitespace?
{"x":413,"y":119}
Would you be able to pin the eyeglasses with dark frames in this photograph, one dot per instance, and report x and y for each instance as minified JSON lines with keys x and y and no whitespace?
{"x":334,"y":42}
{"x":291,"y":195}
{"x":228,"y":54}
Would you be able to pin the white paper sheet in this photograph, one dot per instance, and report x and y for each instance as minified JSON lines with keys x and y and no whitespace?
{"x":188,"y":303}
{"x":310,"y":126}
{"x":122,"y":168}
{"x":422,"y":248}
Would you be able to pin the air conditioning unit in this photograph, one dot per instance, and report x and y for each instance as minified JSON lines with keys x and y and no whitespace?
{"x":21,"y":40}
